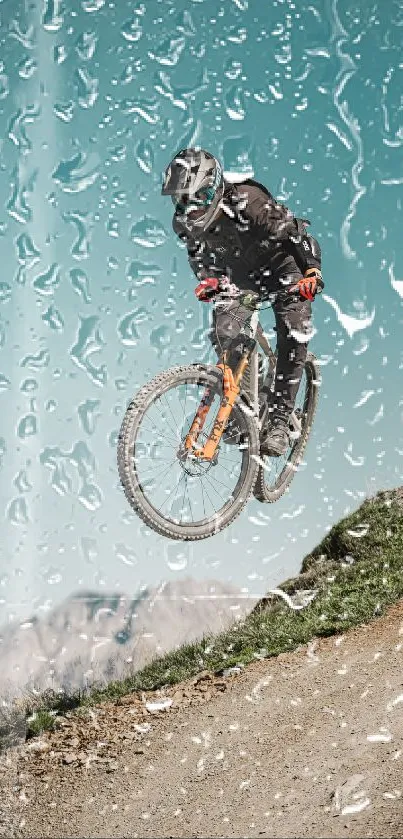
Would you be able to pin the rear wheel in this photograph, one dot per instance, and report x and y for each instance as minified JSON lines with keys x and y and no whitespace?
{"x":177,"y":495}
{"x":276,"y":473}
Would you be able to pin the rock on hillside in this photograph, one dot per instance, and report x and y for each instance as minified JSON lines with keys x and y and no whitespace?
{"x":93,"y":637}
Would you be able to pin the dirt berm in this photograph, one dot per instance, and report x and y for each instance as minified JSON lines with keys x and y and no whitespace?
{"x":306,"y":744}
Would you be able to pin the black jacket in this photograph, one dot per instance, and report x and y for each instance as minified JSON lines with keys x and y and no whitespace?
{"x":249,"y":241}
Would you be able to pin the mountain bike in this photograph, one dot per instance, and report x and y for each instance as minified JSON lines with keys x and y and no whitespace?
{"x":189,"y":445}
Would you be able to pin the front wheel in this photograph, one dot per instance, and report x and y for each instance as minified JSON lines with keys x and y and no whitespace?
{"x":176,"y":494}
{"x":276,"y":473}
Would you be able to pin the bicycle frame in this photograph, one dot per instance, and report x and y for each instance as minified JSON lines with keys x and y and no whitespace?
{"x":231,"y":389}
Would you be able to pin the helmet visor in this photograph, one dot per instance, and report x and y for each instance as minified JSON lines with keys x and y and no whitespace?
{"x":186,"y":203}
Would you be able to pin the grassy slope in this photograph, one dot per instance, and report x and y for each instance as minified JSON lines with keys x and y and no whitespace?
{"x":357,"y":571}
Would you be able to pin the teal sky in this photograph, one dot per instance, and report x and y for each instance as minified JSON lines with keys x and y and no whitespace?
{"x":96,"y":295}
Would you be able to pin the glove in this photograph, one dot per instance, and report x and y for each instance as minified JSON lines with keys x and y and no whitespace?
{"x":310,"y":284}
{"x":207,"y":289}
{"x":211,"y":286}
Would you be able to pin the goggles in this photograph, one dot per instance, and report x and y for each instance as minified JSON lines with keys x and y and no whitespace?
{"x":202,"y":198}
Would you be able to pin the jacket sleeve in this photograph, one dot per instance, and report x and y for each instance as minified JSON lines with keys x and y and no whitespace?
{"x":196,"y":253}
{"x":305,"y":248}
{"x":278,"y":224}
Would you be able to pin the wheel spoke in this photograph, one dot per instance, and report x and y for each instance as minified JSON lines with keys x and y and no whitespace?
{"x":170,"y":411}
{"x":178,"y":486}
{"x":170,"y":439}
{"x":175,"y":489}
{"x":209,"y":480}
{"x":209,"y":497}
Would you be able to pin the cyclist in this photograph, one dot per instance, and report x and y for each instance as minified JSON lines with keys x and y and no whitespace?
{"x":240,"y":239}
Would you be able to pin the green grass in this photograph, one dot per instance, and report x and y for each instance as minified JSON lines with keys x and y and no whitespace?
{"x":356,"y":578}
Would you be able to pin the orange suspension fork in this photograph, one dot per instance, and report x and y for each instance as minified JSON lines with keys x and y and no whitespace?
{"x":231,"y":389}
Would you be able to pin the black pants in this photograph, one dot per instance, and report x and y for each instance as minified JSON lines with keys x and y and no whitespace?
{"x":293,"y":327}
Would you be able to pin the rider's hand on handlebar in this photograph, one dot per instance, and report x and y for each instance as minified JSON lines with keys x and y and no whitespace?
{"x":310,"y":284}
{"x":208,"y":288}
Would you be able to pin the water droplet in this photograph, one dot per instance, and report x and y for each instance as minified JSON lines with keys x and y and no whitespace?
{"x":160,"y":338}
{"x":21,"y":276}
{"x":22,"y":184}
{"x":4,"y":86}
{"x":52,"y":19}
{"x":47,"y":282}
{"x":5,"y":292}
{"x":17,"y":511}
{"x":383,"y":736}
{"x":36,"y":362}
{"x":119,"y":198}
{"x":54,"y":319}
{"x":112,"y":228}
{"x":148,"y":232}
{"x":26,"y":38}
{"x":3,"y":449}
{"x":125,"y":554}
{"x":77,"y":173}
{"x":238,"y":153}
{"x":92,"y":5}
{"x":176,"y":558}
{"x":113,"y":439}
{"x":145,"y":156}
{"x":127,"y":330}
{"x":17,"y":127}
{"x":60,"y":53}
{"x":65,"y":111}
{"x":132,"y":29}
{"x":21,"y":482}
{"x":235,"y":103}
{"x":349,"y":798}
{"x":90,"y":496}
{"x":86,"y":45}
{"x":27,"y":253}
{"x":29,"y":385}
{"x":142,"y":273}
{"x":81,"y":247}
{"x":237,"y":35}
{"x":162,"y":705}
{"x":190,"y":136}
{"x":284,"y":56}
{"x":181,"y":95}
{"x":184,"y":23}
{"x":169,"y":51}
{"x":89,"y":548}
{"x":144,"y":108}
{"x":89,"y":414}
{"x":118,"y":153}
{"x":27,"y":67}
{"x":5,"y":383}
{"x":27,"y":427}
{"x":80,"y":283}
{"x":350,"y":323}
{"x":87,"y":88}
{"x":52,"y":458}
{"x":53,"y":577}
{"x":89,"y":341}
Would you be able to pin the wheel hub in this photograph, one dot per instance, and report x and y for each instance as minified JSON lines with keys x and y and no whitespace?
{"x":195,"y":466}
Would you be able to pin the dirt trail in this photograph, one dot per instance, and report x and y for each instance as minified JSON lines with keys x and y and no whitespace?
{"x":309,"y":744}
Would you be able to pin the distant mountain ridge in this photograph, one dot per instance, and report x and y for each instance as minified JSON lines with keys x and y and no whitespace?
{"x":93,"y":637}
